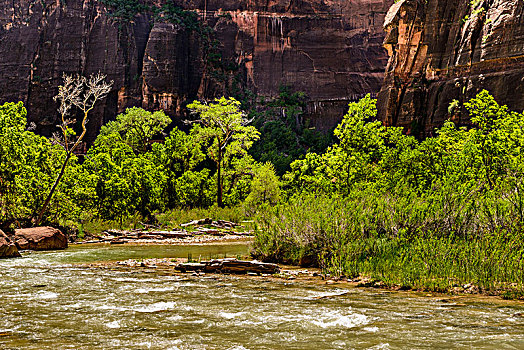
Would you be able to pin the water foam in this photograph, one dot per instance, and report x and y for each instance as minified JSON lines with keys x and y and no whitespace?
{"x":335,"y":319}
{"x":156,"y":307}
{"x":113,"y":325}
{"x":334,"y":293}
{"x":149,"y":290}
{"x":231,"y":315}
{"x":371,"y":329}
{"x":46,"y":295}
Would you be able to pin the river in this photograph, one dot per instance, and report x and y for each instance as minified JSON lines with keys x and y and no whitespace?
{"x":47,"y":301}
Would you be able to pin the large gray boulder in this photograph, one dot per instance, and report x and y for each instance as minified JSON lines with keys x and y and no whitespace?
{"x":40,"y":238}
{"x":8,"y":248}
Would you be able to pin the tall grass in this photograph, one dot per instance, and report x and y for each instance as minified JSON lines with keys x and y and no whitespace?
{"x":435,"y":242}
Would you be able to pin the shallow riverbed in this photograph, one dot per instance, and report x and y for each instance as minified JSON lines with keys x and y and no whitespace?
{"x":48,"y":302}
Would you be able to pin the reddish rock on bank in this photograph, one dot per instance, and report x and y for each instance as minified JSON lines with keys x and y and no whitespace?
{"x":40,"y":238}
{"x":7,"y":247}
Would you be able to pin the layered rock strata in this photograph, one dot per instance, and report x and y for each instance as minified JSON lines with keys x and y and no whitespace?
{"x":330,"y":49}
{"x":441,"y":50}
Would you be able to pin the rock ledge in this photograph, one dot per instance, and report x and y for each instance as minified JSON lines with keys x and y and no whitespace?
{"x":232,"y":265}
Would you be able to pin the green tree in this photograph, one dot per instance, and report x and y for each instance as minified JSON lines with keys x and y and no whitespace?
{"x":127,"y":174}
{"x":179,"y":156}
{"x":137,"y":128}
{"x":225,"y":127}
{"x":265,"y":187}
{"x":28,"y":166}
{"x":355,"y":158}
{"x":18,"y":148}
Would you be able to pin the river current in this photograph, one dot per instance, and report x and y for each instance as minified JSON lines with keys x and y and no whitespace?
{"x":47,"y":301}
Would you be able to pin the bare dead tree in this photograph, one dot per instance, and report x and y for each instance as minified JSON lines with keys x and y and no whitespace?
{"x":76,"y":92}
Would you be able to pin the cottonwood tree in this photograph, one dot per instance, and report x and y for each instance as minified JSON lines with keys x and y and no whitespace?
{"x":226,"y":128}
{"x":76,"y":93}
{"x":136,"y":127}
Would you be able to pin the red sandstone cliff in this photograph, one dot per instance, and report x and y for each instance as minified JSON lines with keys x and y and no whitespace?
{"x":330,"y":49}
{"x":442,"y":50}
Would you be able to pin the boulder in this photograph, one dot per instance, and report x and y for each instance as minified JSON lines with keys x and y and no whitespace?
{"x":7,"y":248}
{"x":40,"y":238}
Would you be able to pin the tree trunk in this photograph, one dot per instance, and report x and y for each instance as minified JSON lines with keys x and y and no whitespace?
{"x":52,"y":191}
{"x":219,"y":179}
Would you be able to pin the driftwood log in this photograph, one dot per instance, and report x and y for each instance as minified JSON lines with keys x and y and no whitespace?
{"x":167,"y":234}
{"x":220,"y":228}
{"x":222,"y":224}
{"x":231,"y":265}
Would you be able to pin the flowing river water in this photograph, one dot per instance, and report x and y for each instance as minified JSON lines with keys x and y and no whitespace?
{"x":47,"y":301}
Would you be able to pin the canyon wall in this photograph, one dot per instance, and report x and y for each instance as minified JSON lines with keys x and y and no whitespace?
{"x":441,"y":50}
{"x":330,"y":49}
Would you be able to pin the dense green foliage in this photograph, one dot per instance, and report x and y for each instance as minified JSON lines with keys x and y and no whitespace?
{"x":284,"y":134}
{"x":24,"y":165}
{"x":429,"y":214}
{"x":29,"y":164}
{"x":132,"y":168}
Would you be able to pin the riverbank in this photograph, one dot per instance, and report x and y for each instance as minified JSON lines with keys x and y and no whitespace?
{"x":200,"y":239}
{"x":307,"y":275}
{"x":223,"y":233}
{"x":193,"y":232}
{"x":394,"y":242}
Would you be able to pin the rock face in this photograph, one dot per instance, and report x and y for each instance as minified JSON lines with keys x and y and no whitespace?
{"x":7,"y":248}
{"x":330,"y":49}
{"x":442,"y":50}
{"x":40,"y":238}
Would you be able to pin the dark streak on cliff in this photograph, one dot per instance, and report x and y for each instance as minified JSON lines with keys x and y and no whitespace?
{"x":331,"y":49}
{"x":442,"y":50}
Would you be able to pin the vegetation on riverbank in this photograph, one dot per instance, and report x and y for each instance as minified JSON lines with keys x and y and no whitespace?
{"x":395,"y":243}
{"x":431,"y":214}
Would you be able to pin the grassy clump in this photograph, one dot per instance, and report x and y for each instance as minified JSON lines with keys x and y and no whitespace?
{"x":413,"y":246}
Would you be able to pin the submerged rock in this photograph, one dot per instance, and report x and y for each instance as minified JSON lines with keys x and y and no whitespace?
{"x":8,"y":249}
{"x":40,"y":238}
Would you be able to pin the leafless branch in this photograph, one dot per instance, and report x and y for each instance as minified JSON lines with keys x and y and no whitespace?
{"x":83,"y":93}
